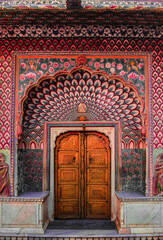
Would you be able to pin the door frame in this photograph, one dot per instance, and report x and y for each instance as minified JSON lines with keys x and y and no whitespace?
{"x":52,"y":130}
{"x":82,"y":167}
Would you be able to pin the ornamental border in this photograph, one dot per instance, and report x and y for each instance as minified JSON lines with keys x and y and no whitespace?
{"x":86,"y":4}
{"x":58,"y":31}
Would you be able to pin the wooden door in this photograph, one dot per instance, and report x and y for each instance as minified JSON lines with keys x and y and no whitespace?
{"x":97,"y":176}
{"x":67,"y":176}
{"x":82,"y":176}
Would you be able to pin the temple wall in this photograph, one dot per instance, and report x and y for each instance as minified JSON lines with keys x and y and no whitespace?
{"x":131,"y":40}
{"x":8,"y":45}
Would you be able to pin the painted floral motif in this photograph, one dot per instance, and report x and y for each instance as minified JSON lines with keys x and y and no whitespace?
{"x":133,"y":75}
{"x":80,"y":31}
{"x":30,"y":75}
{"x":142,"y":37}
{"x":133,"y":170}
{"x":30,"y":170}
{"x":131,"y":70}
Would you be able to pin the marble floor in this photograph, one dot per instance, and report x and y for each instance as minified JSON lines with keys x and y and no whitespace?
{"x":82,"y":228}
{"x":84,"y":224}
{"x":74,"y":229}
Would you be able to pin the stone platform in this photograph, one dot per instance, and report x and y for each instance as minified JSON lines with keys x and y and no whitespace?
{"x":26,"y":217}
{"x":81,"y":230}
{"x":25,"y":214}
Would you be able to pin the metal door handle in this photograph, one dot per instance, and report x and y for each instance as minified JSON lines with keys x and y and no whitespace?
{"x":91,"y":160}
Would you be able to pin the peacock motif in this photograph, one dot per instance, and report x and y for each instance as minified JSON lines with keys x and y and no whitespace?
{"x":106,"y":98}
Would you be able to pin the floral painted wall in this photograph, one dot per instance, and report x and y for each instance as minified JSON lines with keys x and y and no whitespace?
{"x":30,"y":170}
{"x":103,"y":40}
{"x":58,"y":100}
{"x":133,"y":169}
{"x":131,"y":69}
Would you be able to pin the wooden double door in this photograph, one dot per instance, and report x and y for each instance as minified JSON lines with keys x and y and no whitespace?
{"x":82,"y":176}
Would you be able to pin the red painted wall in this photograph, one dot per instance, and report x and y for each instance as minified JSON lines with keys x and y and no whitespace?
{"x":7,"y":46}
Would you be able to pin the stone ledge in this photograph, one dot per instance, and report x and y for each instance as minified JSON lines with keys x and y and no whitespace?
{"x":27,"y":213}
{"x":27,"y":197}
{"x":139,"y":214}
{"x":136,"y":197}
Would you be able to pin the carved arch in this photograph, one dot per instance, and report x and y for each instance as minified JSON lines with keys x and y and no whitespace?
{"x":107,"y":98}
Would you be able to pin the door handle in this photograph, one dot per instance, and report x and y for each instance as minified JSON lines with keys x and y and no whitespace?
{"x":91,"y":160}
{"x":74,"y":160}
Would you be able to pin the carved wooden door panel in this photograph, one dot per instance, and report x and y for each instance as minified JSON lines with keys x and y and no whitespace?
{"x":67,"y":177}
{"x":97,"y":176}
{"x":82,"y":176}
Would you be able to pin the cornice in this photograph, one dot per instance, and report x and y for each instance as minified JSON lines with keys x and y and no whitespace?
{"x":86,"y":4}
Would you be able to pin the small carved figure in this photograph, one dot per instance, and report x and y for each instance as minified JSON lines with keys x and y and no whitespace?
{"x":82,"y":108}
{"x":4,"y":177}
{"x":158,"y":176}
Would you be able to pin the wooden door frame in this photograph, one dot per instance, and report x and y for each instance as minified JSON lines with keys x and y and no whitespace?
{"x":82,"y":183}
{"x":53,"y":129}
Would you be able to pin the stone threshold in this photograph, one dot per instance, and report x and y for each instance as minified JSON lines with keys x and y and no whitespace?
{"x":81,"y":235}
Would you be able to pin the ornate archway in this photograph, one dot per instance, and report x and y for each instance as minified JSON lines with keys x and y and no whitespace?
{"x":104,"y":98}
{"x":87,"y":94}
{"x":107,"y":98}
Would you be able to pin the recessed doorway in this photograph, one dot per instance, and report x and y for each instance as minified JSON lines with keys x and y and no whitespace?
{"x":82,"y":172}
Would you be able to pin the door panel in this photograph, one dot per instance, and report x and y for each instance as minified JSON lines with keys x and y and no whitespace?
{"x":95,"y":142}
{"x":97,"y":210}
{"x":68,"y":210}
{"x":95,"y":175}
{"x":67,"y":177}
{"x":96,"y":192}
{"x":70,"y":142}
{"x":82,"y":176}
{"x":68,"y":192}
{"x":68,"y":158}
{"x":98,"y":160}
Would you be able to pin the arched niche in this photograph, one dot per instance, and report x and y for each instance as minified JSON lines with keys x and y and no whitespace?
{"x":107,"y":98}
